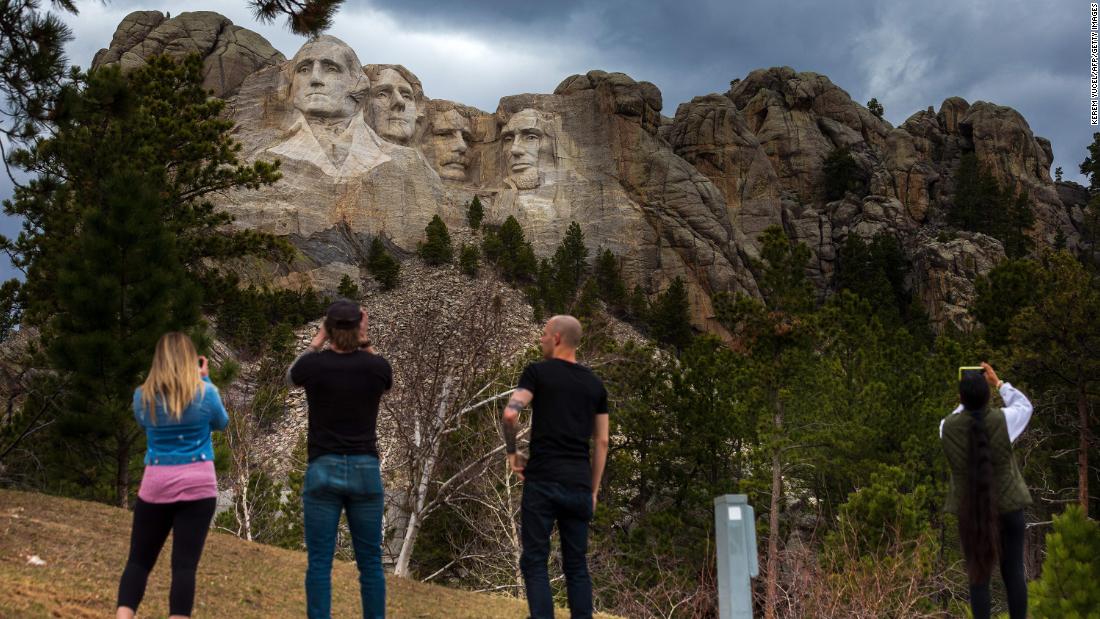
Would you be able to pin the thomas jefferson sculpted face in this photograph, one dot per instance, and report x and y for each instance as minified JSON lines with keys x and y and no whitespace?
{"x":523,"y":138}
{"x":393,"y":106}
{"x":326,"y":79}
{"x":450,"y":137}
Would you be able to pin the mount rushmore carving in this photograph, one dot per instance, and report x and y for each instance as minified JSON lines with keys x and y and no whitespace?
{"x":365,"y":153}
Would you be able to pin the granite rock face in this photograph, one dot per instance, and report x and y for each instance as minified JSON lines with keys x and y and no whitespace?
{"x":365,"y":153}
{"x":230,"y":53}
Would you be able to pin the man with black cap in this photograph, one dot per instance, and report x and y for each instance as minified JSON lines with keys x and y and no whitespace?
{"x":344,"y":385}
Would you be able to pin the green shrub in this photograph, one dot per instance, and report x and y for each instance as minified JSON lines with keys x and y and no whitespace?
{"x":1068,"y":587}
{"x":468,"y":259}
{"x":475,"y":213}
{"x":382,"y":265}
{"x":436,"y":250}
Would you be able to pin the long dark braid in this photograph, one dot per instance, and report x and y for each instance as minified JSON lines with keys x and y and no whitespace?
{"x":978,"y":509}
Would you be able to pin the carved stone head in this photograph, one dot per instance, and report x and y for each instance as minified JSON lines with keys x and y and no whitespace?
{"x":526,"y":144}
{"x":326,"y":79}
{"x":448,"y":143}
{"x":396,"y":99}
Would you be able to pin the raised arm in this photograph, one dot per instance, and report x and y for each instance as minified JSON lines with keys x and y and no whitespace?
{"x":1017,"y":410}
{"x":510,"y":420}
{"x":212,"y":399}
{"x":315,"y":345}
{"x":219,"y":418}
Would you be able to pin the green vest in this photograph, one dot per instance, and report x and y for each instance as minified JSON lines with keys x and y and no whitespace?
{"x":1010,"y":490}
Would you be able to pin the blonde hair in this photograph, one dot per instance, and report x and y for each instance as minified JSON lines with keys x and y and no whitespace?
{"x":173,"y":378}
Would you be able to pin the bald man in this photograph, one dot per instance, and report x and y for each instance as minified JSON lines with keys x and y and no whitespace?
{"x":569,"y":406}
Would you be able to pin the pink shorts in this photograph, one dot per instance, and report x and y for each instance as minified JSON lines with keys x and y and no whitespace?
{"x":178,"y":482}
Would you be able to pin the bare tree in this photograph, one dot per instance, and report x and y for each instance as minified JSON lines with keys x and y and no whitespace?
{"x":447,"y":353}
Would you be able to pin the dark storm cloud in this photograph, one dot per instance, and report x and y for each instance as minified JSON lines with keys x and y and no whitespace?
{"x":1032,"y":56}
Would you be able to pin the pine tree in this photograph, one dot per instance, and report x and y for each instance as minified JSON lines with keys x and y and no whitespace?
{"x":1002,"y":294}
{"x":509,"y":250}
{"x":967,"y":212}
{"x":1019,"y":220}
{"x":475,"y":213}
{"x":347,"y":288}
{"x":1090,"y":232}
{"x":588,"y":303}
{"x":545,"y":290}
{"x":875,"y":107}
{"x":842,"y":174}
{"x":1058,"y":174}
{"x":1054,"y":340}
{"x":437,"y":249}
{"x":1071,"y":570}
{"x":669,"y":319}
{"x":980,"y":201}
{"x":138,"y":121}
{"x":876,"y":271}
{"x":609,"y":281}
{"x":1090,"y":167}
{"x":304,"y":17}
{"x":32,"y":52}
{"x":114,"y":160}
{"x":468,"y":259}
{"x":120,"y":286}
{"x":569,"y":260}
{"x":382,"y":265}
{"x":778,"y":337}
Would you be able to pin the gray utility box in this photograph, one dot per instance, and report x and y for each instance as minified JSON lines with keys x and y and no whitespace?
{"x":735,"y":529}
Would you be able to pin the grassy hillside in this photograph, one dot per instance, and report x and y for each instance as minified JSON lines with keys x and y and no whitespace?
{"x":84,"y":546}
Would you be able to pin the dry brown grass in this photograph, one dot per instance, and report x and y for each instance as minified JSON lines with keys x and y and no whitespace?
{"x":84,"y":546}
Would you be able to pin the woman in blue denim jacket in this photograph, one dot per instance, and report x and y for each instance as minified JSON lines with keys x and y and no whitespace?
{"x":178,"y":407}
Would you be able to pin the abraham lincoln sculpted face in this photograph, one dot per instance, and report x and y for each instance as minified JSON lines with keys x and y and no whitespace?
{"x":525,"y":145}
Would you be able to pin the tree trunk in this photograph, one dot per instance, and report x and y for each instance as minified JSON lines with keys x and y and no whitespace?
{"x":517,"y":546}
{"x":427,"y":469}
{"x":122,"y":473}
{"x":246,"y":509}
{"x":771,"y":601}
{"x":1083,"y":448}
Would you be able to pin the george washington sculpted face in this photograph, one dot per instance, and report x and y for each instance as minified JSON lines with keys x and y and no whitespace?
{"x":326,"y":79}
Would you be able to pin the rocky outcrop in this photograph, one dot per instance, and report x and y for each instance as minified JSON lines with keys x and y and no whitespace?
{"x":686,"y":196}
{"x":945,"y":271}
{"x":229,"y":53}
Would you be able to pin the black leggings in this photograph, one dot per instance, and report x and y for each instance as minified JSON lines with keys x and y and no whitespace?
{"x":189,"y":520}
{"x":1012,"y":571}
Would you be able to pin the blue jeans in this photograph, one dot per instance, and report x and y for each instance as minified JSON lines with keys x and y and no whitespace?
{"x":543,"y":504}
{"x":334,"y":483}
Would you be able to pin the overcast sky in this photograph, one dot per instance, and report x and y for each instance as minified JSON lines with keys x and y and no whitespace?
{"x":1030,"y":55}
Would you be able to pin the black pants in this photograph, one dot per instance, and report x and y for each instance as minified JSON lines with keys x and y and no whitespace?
{"x":189,"y":521}
{"x":1012,"y":571}
{"x":543,"y":504}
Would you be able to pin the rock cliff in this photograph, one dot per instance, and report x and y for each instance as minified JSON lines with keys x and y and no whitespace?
{"x":365,"y":152}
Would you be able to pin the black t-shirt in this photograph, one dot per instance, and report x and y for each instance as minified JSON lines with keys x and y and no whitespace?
{"x":343,"y":391}
{"x":567,"y":398}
